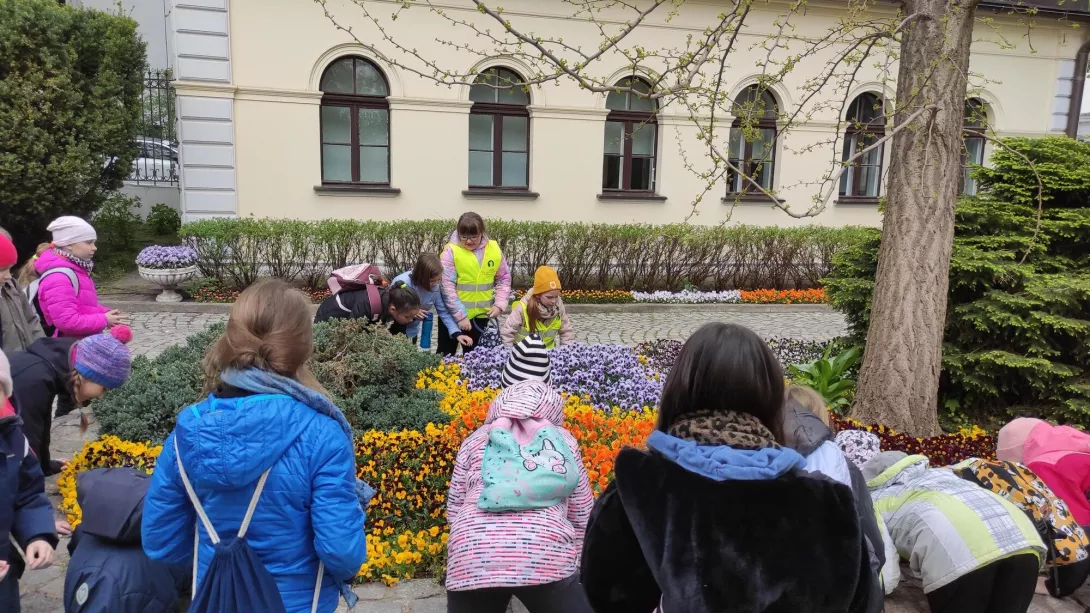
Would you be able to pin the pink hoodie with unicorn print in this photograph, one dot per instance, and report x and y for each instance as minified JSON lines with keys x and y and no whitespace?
{"x":530,"y":546}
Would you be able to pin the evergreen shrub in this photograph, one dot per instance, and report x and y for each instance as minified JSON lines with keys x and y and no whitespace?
{"x":370,"y":374}
{"x":1018,"y":319}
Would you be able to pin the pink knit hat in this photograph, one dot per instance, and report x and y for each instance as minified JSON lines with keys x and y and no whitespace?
{"x":1013,"y":436}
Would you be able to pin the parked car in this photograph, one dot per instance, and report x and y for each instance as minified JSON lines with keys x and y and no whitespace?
{"x":156,"y":160}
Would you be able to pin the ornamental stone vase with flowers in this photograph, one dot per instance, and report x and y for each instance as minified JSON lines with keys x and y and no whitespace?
{"x":167,"y":267}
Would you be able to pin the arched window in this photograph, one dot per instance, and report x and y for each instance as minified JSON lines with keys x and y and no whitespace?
{"x":753,"y":140}
{"x":631,"y":139}
{"x":499,"y":131}
{"x":355,"y":123}
{"x":976,"y":122}
{"x":866,"y":124}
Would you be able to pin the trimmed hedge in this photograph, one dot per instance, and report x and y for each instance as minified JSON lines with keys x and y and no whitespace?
{"x":235,"y":252}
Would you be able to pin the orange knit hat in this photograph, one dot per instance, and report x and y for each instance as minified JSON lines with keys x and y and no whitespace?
{"x":545,"y":280}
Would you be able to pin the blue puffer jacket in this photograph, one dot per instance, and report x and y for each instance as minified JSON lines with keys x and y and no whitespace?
{"x":308,"y":510}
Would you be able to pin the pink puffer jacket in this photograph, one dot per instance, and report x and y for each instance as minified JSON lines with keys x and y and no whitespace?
{"x":72,"y":314}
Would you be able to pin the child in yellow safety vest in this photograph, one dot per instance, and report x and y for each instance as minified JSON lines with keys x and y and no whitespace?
{"x":476,"y":282}
{"x":541,"y":311}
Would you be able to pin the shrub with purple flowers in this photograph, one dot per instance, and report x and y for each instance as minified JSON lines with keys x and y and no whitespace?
{"x":164,"y":258}
{"x":607,"y":375}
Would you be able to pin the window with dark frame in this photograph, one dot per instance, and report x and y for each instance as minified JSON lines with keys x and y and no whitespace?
{"x":972,"y":155}
{"x":753,"y":141}
{"x":355,"y":124}
{"x":631,"y":140}
{"x":499,"y":131}
{"x":866,"y":119}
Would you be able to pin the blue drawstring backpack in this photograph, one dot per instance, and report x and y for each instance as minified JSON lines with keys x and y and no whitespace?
{"x":236,"y":579}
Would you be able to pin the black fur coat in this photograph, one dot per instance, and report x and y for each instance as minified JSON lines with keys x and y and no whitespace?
{"x":662,"y":533}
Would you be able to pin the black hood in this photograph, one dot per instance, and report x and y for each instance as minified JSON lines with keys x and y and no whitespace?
{"x":55,"y":352}
{"x":112,"y":501}
{"x":802,"y":430}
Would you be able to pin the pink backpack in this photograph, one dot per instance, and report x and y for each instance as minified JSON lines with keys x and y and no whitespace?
{"x":1047,"y":443}
{"x":355,"y":277}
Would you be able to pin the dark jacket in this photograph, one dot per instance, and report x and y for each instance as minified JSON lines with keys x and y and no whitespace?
{"x":25,"y":512}
{"x":661,"y":533}
{"x":357,"y":306}
{"x":804,"y":432}
{"x":19,"y":325}
{"x":109,"y":571}
{"x":39,"y":375}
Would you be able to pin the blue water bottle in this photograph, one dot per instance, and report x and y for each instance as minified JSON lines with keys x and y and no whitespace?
{"x":425,"y":332}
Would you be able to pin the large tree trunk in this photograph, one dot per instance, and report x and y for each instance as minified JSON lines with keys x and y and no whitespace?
{"x":899,"y":379}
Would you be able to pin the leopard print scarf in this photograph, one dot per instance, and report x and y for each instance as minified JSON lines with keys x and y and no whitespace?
{"x":738,"y":430}
{"x":87,"y":265}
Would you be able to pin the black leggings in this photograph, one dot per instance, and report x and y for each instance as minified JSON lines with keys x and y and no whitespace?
{"x":448,"y":345}
{"x":1005,"y":586}
{"x":565,"y":596}
{"x":9,"y":593}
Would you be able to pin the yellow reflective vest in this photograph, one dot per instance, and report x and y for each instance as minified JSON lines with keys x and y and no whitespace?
{"x":476,"y":283}
{"x":548,"y":332}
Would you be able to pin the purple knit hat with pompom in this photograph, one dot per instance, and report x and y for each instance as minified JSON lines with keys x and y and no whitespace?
{"x":104,"y":358}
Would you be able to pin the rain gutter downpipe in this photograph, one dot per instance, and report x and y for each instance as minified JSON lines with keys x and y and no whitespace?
{"x":1077,"y":84}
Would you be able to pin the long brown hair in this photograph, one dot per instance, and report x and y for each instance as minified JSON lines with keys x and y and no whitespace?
{"x":28,"y":274}
{"x":533,"y":311}
{"x":270,"y":329}
{"x":427,"y":267}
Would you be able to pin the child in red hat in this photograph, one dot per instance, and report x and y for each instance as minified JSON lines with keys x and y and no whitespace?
{"x":19,"y":325}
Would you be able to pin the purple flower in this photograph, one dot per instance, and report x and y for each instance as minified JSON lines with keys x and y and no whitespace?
{"x":611,"y":375}
{"x":163,"y":257}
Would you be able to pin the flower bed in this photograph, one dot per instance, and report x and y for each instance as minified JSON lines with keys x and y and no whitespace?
{"x":159,"y":257}
{"x":410,"y":470}
{"x":211,"y":292}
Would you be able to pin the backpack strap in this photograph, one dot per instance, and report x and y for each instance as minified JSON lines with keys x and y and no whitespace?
{"x":242,"y":529}
{"x":32,"y":290}
{"x":375,"y":298}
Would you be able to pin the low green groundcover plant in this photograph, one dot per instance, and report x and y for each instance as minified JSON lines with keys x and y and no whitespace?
{"x":1018,"y":320}
{"x":370,"y":374}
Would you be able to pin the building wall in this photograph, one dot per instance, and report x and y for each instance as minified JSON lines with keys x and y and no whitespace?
{"x":279,"y":48}
{"x":151,"y":19}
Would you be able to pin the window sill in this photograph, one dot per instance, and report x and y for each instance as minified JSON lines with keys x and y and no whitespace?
{"x":499,"y":193}
{"x":632,"y":196}
{"x":857,"y":200}
{"x":356,"y":190}
{"x":749,"y":199}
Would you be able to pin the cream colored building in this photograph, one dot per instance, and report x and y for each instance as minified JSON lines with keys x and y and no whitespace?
{"x":259,"y":136}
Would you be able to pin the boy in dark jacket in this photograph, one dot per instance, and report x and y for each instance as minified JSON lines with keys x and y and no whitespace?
{"x":399,"y":304}
{"x":27,"y":531}
{"x":109,"y":571}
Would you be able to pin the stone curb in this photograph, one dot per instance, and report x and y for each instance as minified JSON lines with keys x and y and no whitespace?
{"x":135,"y":306}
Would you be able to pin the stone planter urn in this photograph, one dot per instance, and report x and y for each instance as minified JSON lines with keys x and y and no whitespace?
{"x":169,"y":279}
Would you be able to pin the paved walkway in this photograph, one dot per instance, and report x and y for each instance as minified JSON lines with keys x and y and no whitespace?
{"x":155,"y":331}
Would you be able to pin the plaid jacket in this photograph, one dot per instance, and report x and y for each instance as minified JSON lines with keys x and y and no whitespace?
{"x":945,"y":526}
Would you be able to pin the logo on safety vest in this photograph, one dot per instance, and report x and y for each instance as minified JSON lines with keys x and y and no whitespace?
{"x":491,"y":263}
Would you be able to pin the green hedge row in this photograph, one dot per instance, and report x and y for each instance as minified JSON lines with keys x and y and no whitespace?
{"x":588,"y":256}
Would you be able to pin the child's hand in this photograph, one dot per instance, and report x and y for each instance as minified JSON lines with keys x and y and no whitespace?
{"x":63,"y":528}
{"x":421,"y":314}
{"x":465,"y":340}
{"x":4,"y":568}
{"x":464,"y":325}
{"x":494,"y":312}
{"x":39,"y":555}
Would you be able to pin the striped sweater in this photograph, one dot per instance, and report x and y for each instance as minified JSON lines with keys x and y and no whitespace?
{"x":514,"y":548}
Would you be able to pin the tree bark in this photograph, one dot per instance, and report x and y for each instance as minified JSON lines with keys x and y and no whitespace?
{"x":899,"y":378}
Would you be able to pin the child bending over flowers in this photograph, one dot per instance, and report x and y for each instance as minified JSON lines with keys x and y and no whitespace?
{"x":519,"y":500}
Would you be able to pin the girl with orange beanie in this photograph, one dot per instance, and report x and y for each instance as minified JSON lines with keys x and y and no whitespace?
{"x":541,"y":311}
